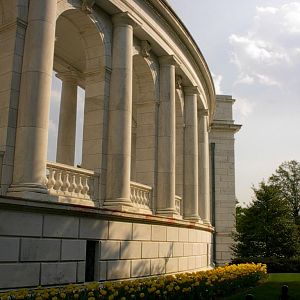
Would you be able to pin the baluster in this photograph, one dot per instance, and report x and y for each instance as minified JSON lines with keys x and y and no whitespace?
{"x":143,"y":198}
{"x":131,"y":194}
{"x":66,"y":183}
{"x":140,"y":199}
{"x":146,"y":198}
{"x":79,"y":187}
{"x":51,"y":179}
{"x":92,"y":187}
{"x":73,"y":184}
{"x":59,"y":182}
{"x":85,"y":188}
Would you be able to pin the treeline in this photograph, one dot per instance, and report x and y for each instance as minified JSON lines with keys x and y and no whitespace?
{"x":268,"y":229}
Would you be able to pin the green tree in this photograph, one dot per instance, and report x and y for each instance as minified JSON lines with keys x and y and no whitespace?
{"x":265,"y":228}
{"x":287,"y":179}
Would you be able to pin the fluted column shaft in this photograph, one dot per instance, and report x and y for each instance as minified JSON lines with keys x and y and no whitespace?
{"x":67,"y":120}
{"x":204,"y":191}
{"x":190,"y":198}
{"x":34,"y":102}
{"x":166,"y":138}
{"x":120,"y":114}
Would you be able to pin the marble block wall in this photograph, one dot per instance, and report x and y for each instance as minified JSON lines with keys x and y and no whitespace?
{"x":39,"y":247}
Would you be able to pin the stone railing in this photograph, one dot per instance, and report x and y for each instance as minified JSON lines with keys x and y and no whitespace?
{"x":178,"y":204}
{"x":72,"y":182}
{"x":141,"y":195}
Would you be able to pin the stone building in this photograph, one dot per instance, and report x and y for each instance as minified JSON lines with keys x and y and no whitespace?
{"x":154,"y":193}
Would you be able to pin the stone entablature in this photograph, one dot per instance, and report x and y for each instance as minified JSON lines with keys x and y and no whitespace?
{"x":148,"y":111}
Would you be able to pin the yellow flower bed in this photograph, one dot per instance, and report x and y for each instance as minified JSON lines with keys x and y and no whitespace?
{"x":200,"y":285}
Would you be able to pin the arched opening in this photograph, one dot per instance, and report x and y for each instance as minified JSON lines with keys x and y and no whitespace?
{"x":179,"y":166}
{"x":76,"y":114}
{"x":143,"y":123}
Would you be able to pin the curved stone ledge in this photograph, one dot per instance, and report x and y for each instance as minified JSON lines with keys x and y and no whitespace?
{"x":78,"y":210}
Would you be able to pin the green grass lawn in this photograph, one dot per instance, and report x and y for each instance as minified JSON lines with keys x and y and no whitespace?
{"x":272,"y":287}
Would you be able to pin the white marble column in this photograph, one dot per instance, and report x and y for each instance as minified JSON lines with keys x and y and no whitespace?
{"x":120,"y":115}
{"x":204,"y":179}
{"x":34,"y":103}
{"x":190,"y":198}
{"x":67,"y":120}
{"x":166,"y":138}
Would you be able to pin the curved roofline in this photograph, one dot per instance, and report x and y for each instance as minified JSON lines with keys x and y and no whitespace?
{"x":189,"y":35}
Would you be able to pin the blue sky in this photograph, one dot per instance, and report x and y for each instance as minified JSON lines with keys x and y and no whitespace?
{"x":253,"y":50}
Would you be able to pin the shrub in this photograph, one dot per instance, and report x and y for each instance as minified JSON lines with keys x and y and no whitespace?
{"x":200,"y":285}
{"x":274,"y":264}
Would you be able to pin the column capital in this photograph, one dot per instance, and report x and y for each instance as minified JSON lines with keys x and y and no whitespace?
{"x":191,"y":90}
{"x":67,"y":76}
{"x":168,"y":60}
{"x":203,"y":112}
{"x":125,"y":18}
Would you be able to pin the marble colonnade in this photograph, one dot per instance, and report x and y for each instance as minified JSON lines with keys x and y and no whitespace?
{"x":30,"y":160}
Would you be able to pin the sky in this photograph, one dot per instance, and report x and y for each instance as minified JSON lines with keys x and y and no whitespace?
{"x":253,"y":50}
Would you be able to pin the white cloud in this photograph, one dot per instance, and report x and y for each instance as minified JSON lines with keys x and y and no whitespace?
{"x":217,"y":81}
{"x":291,"y":18}
{"x":55,"y":96}
{"x":243,"y":108}
{"x":265,"y":80}
{"x":267,"y":9}
{"x":52,"y":126}
{"x":244,"y":79}
{"x":257,"y":50}
{"x":268,"y":53}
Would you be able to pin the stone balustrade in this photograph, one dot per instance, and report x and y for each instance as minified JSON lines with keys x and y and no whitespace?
{"x":72,"y":182}
{"x":178,"y":200}
{"x":141,"y":195}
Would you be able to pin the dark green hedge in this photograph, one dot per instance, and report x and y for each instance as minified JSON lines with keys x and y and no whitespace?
{"x":274,"y":264}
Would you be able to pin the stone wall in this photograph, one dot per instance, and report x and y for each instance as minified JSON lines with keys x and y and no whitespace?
{"x":222,"y":135}
{"x":45,"y":244}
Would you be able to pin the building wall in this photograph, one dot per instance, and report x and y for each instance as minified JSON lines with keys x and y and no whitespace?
{"x":45,"y":244}
{"x":43,"y":237}
{"x":222,"y":136}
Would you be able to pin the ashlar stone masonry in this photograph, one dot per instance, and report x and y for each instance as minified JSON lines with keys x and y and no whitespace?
{"x":155,"y":190}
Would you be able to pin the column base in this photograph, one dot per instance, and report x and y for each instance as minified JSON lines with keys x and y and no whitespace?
{"x":168,"y":213}
{"x":120,"y":204}
{"x":29,"y":191}
{"x":207,"y":223}
{"x":195,"y":219}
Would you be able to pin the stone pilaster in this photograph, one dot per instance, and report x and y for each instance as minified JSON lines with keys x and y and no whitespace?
{"x":67,"y":120}
{"x":166,"y":138}
{"x":120,"y":115}
{"x":34,"y":103}
{"x":190,"y":198}
{"x":204,"y":191}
